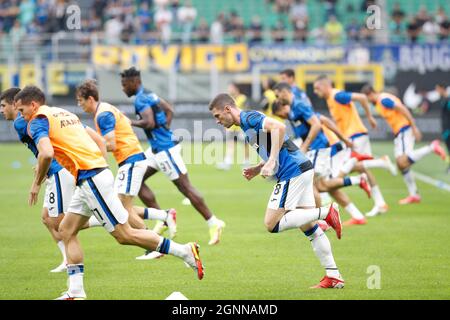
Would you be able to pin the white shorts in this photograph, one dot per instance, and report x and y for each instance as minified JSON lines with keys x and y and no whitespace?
{"x":320,"y":159}
{"x":298,"y":142}
{"x":294,"y":193}
{"x":129,"y":178}
{"x":404,"y":143}
{"x":170,"y":162}
{"x":58,"y":192}
{"x":361,"y":144}
{"x":96,"y":196}
{"x":338,"y":159}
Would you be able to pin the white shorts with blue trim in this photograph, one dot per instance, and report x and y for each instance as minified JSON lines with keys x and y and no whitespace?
{"x":294,"y":193}
{"x":320,"y":159}
{"x":170,"y":162}
{"x":361,"y":144}
{"x":129,"y":178}
{"x":96,"y":196}
{"x":404,"y":143}
{"x":338,"y":159}
{"x":58,"y":193}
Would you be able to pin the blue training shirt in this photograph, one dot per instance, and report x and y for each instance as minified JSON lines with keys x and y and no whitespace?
{"x":39,"y":128}
{"x":301,"y":95}
{"x":291,"y":161}
{"x":20,"y":124}
{"x":298,"y":117}
{"x":160,"y":137}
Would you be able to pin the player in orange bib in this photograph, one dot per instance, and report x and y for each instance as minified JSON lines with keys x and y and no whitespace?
{"x":344,"y":113}
{"x":60,"y":134}
{"x":406,"y":132}
{"x":121,"y":140}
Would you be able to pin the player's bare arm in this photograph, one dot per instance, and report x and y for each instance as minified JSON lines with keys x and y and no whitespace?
{"x":44,"y":159}
{"x":277,"y":131}
{"x":147,"y":121}
{"x":98,"y":140}
{"x":314,"y":122}
{"x":362,"y":99}
{"x":168,"y":110}
{"x":110,"y":141}
{"x":333,"y":127}
{"x":404,"y":111}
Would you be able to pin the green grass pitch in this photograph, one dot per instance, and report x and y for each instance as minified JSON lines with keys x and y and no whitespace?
{"x":409,"y":244}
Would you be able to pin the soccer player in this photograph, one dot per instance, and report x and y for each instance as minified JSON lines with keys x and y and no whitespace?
{"x":120,"y":139}
{"x":441,"y":88}
{"x":234,"y":133}
{"x":60,"y":184}
{"x":406,"y":132}
{"x":288,"y":76}
{"x":165,"y":151}
{"x":292,"y":204}
{"x":308,"y":127}
{"x":342,"y":109}
{"x":60,"y":134}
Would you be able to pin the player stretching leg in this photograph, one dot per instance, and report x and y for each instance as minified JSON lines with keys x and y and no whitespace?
{"x":165,"y":152}
{"x":342,"y":109}
{"x":292,"y":204}
{"x":60,"y":134}
{"x":406,"y":132}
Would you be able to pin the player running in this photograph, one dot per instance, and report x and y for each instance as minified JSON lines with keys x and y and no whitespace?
{"x":165,"y":151}
{"x":60,"y":134}
{"x":342,"y":109}
{"x":120,"y":139}
{"x":441,"y":88}
{"x":288,"y":76}
{"x":308,"y":127}
{"x":406,"y":133}
{"x":60,"y":184}
{"x":292,"y":203}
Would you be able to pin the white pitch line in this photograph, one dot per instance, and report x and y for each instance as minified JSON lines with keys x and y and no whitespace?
{"x":436,"y":183}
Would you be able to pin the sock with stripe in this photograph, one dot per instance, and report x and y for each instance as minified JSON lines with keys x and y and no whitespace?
{"x":354,"y":211}
{"x":93,"y":222}
{"x":76,"y":274}
{"x":377,"y":196}
{"x":418,"y":154}
{"x":410,"y":182}
{"x":167,"y":246}
{"x":348,"y":166}
{"x":296,"y":218}
{"x":322,"y":249}
{"x":352,"y":180}
{"x":155,"y":214}
{"x":62,"y":248}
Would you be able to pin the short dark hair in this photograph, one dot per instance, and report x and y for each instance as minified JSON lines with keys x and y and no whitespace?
{"x":221,"y":100}
{"x":88,"y":89}
{"x":441,"y":84}
{"x":130,"y":73}
{"x":30,"y":94}
{"x":282,"y":86}
{"x":9,"y":94}
{"x":276,"y":106}
{"x":288,"y":72}
{"x":271,"y":83}
{"x":367,"y":89}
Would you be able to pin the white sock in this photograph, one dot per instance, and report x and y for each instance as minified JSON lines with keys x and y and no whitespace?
{"x":377,"y":196}
{"x":356,"y":180}
{"x":155,"y":214}
{"x":76,"y":273}
{"x":212,"y":221}
{"x":167,"y":246}
{"x":354,"y":211}
{"x":296,"y":218}
{"x":418,"y":154}
{"x":93,"y":222}
{"x":375,"y":163}
{"x":348,"y":166}
{"x":322,"y":248}
{"x":410,"y":182}
{"x":62,"y":248}
{"x":228,"y":160}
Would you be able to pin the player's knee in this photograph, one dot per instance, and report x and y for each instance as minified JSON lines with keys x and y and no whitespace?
{"x":46,"y":221}
{"x":271,"y":227}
